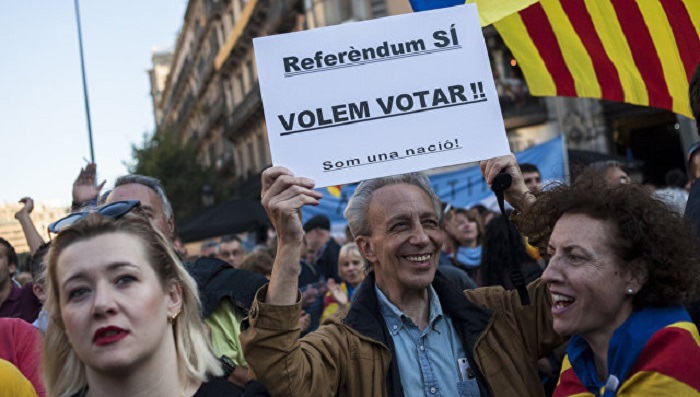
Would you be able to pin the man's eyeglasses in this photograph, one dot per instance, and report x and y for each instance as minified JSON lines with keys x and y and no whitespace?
{"x":113,"y":210}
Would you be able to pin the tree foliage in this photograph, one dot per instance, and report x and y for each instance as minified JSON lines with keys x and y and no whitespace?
{"x":175,"y":164}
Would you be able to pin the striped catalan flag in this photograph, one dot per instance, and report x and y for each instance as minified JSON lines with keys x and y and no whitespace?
{"x":636,"y":51}
{"x":668,"y":365}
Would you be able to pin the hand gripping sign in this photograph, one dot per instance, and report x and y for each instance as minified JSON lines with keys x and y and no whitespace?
{"x":380,"y":97}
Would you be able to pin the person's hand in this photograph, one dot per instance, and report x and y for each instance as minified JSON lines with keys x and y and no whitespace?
{"x":26,"y":209}
{"x":84,"y":188}
{"x":308,"y":296}
{"x":304,"y":321}
{"x":283,"y":196}
{"x":517,"y":195}
{"x":544,"y":366}
{"x":338,"y":294}
{"x":322,"y":286}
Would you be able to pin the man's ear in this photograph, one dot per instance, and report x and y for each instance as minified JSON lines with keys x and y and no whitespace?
{"x":366,"y":248}
{"x":39,"y":291}
{"x":12,"y":267}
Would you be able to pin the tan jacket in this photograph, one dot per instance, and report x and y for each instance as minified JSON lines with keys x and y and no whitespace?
{"x":352,"y":356}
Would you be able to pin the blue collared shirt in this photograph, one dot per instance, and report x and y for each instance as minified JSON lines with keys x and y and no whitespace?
{"x":427,"y":359}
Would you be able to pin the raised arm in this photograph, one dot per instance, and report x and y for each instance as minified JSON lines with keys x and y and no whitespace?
{"x":518,"y":195}
{"x":85,"y":192}
{"x":283,"y":196}
{"x":34,"y":239}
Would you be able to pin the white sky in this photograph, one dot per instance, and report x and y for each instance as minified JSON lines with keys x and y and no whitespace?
{"x":43,"y":129}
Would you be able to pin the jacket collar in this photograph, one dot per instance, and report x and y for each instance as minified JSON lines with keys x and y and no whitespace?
{"x":473,"y":319}
{"x":469,"y":319}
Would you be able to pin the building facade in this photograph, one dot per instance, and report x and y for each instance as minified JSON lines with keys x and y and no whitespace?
{"x":43,"y":215}
{"x":209,"y":93}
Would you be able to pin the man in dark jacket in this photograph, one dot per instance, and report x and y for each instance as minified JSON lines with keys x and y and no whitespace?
{"x":317,"y":233}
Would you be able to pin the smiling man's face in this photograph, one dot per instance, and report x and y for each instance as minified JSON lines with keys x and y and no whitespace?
{"x":406,"y":239}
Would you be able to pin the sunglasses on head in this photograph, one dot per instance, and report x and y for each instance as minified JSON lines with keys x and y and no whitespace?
{"x":113,"y":210}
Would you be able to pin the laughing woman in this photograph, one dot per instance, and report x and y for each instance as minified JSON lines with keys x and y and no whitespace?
{"x":621,"y":267}
{"x":124,"y":312}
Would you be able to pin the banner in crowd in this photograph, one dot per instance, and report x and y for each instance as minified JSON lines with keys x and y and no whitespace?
{"x":461,"y":188}
{"x":639,"y":52}
{"x":381,"y":97}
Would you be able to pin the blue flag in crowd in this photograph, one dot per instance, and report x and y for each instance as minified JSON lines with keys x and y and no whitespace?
{"x":422,"y":5}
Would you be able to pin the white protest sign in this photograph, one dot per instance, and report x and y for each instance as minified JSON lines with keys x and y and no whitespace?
{"x":380,"y":97}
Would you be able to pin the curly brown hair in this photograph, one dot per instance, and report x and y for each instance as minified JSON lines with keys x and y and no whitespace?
{"x":649,"y":238}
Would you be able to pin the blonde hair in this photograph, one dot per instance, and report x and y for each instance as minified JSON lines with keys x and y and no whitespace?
{"x":64,"y":373}
{"x":351,"y":249}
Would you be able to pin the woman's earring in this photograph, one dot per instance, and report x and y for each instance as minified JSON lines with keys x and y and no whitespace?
{"x":172,"y":318}
{"x":630,"y":291}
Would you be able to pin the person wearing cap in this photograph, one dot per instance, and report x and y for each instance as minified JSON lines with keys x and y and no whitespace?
{"x":317,"y":234}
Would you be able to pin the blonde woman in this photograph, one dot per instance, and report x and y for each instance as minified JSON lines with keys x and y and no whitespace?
{"x":124,"y":312}
{"x":351,"y":266}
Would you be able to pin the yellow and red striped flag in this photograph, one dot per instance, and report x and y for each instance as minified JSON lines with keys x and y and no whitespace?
{"x":636,"y":51}
{"x":641,"y":52}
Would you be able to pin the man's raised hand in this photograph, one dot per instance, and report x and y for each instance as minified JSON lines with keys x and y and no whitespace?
{"x":518,"y":194}
{"x":26,"y":209}
{"x":283,"y":196}
{"x":84,"y":188}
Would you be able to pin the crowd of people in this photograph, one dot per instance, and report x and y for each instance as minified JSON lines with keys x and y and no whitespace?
{"x":587,"y":289}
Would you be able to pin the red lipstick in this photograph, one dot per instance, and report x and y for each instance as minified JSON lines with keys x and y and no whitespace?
{"x":107,"y":335}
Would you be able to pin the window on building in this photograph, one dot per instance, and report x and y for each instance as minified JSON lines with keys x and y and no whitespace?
{"x":214,"y":42}
{"x":212,"y":153}
{"x":228,"y":94}
{"x":240,"y":162}
{"x":337,"y":11}
{"x":262,"y":151}
{"x":251,"y":73}
{"x":239,"y":87}
{"x":251,"y":158}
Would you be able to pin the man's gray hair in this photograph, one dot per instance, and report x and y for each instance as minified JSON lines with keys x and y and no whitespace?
{"x":358,"y":206}
{"x":601,"y":167}
{"x":150,"y":182}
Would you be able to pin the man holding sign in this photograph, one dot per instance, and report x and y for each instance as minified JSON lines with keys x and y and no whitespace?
{"x":375,"y":99}
{"x":408,"y":331}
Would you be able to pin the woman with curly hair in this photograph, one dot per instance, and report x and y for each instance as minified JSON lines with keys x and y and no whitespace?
{"x":124,"y":313}
{"x":621,"y":267}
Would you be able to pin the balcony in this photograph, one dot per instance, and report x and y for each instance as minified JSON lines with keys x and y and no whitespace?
{"x":281,"y":15}
{"x":212,"y":116}
{"x":212,"y":9}
{"x":250,"y":106}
